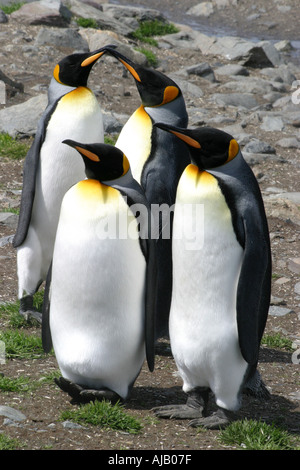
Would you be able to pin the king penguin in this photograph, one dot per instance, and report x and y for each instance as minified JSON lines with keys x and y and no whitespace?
{"x":98,"y":311}
{"x":50,"y":169}
{"x":221,"y":279}
{"x":148,"y":150}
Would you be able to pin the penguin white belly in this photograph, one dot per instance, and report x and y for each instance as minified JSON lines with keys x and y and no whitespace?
{"x":135,"y":141}
{"x":77,"y":116}
{"x":203,"y":325}
{"x":97,"y":291}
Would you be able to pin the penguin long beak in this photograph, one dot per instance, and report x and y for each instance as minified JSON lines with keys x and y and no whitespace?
{"x":95,"y":55}
{"x":82,"y":149}
{"x":180,"y":133}
{"x":130,"y":66}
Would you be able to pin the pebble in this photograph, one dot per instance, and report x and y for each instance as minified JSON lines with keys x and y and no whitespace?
{"x":297,"y":288}
{"x":12,"y":413}
{"x":294,"y":265}
{"x":277,"y":311}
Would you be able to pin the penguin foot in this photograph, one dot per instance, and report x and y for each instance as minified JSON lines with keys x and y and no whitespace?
{"x":195,"y":407}
{"x":27,"y":309}
{"x":81,"y":394}
{"x":218,"y":420}
{"x":177,"y":412}
{"x":255,"y":387}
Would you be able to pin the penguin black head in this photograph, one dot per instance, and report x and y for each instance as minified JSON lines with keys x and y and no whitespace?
{"x":102,"y":162}
{"x":74,"y":69}
{"x":209,"y":147}
{"x":155,"y":88}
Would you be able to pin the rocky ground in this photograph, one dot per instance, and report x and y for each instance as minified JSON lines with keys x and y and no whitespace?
{"x":246,"y":90}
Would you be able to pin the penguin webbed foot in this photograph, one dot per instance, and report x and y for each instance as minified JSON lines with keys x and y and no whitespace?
{"x":194,"y":408}
{"x":220,"y":419}
{"x":81,"y":394}
{"x":28,"y":311}
{"x":177,"y":412}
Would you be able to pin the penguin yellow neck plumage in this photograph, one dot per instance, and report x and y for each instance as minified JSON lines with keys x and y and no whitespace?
{"x":92,"y":189}
{"x":135,"y":140}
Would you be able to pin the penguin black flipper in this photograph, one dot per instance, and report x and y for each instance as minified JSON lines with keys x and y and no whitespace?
{"x":29,"y":176}
{"x":249,"y":221}
{"x":46,"y":332}
{"x":136,"y":201}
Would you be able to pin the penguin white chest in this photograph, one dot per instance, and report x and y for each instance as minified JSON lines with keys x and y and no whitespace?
{"x":97,"y":293}
{"x":77,"y":116}
{"x":203,"y":326}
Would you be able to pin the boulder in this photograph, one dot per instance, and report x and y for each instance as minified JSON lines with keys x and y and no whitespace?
{"x":22,"y":119}
{"x":46,"y":12}
{"x":63,"y":37}
{"x":103,"y":20}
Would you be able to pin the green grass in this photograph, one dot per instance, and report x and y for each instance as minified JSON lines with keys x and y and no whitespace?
{"x":87,"y":23}
{"x":6,"y":443}
{"x":151,"y":57}
{"x":277,"y":341}
{"x":8,"y":9}
{"x":20,"y":345}
{"x":148,"y":29}
{"x":110,"y":140}
{"x":103,"y":414}
{"x":23,"y":384}
{"x":12,"y":148}
{"x":12,"y":210}
{"x":256,"y":435}
{"x":10,"y":311}
{"x":19,"y":384}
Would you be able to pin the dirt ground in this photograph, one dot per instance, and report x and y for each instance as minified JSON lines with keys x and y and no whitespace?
{"x":42,"y":429}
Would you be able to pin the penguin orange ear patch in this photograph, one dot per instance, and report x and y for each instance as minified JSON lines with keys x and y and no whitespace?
{"x":56,"y":73}
{"x":170,"y":93}
{"x":233,"y":150}
{"x":92,"y":156}
{"x":126,"y":164}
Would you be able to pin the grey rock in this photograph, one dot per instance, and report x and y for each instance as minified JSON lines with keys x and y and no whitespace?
{"x":245,"y":100}
{"x":284,"y":45}
{"x":272,"y":124}
{"x":290,"y":196}
{"x":294,"y":265}
{"x":22,"y":119}
{"x":289,"y":142}
{"x":257,"y":158}
{"x":11,"y":413}
{"x":203,"y":70}
{"x":3,"y":17}
{"x":63,"y":37}
{"x":47,"y":12}
{"x":71,"y":425}
{"x":9,"y":219}
{"x":188,"y":89}
{"x":254,"y":85}
{"x":204,"y":9}
{"x":280,"y":74}
{"x":297,"y":288}
{"x":103,"y":20}
{"x":232,"y":69}
{"x":119,"y":12}
{"x":6,"y":240}
{"x":113,"y":123}
{"x":248,"y":53}
{"x":296,"y":395}
{"x":277,"y":311}
{"x":259,"y":146}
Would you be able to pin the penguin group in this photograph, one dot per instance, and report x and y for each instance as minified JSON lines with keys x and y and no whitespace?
{"x":111,"y":231}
